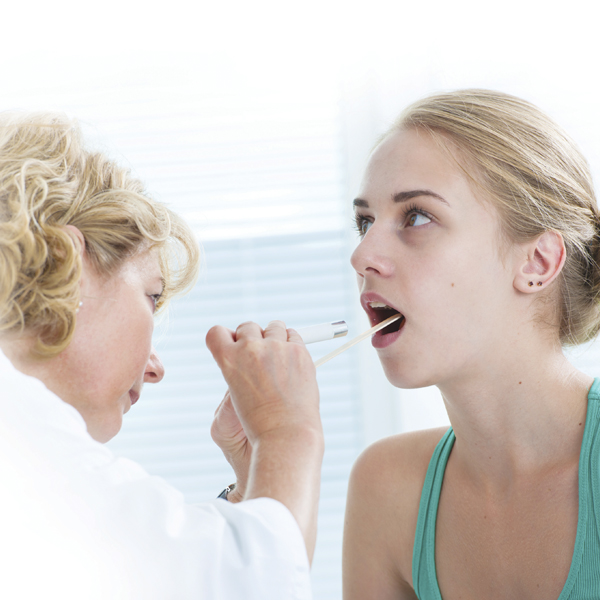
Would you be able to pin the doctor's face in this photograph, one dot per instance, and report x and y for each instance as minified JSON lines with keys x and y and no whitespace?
{"x":103,"y":369}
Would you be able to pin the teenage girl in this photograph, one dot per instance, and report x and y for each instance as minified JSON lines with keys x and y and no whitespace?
{"x":479,"y":224}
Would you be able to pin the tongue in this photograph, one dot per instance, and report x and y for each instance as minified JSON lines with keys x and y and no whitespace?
{"x":392,"y":327}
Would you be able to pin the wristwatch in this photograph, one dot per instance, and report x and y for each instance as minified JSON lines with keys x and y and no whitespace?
{"x":226,"y":491}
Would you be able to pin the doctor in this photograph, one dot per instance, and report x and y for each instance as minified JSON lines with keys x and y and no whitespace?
{"x":86,"y":260}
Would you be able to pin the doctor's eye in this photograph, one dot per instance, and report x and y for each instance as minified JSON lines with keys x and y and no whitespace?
{"x":155,"y":300}
{"x":362,"y":224}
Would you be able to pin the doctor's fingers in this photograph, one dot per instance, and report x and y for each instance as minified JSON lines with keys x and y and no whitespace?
{"x":226,"y":397}
{"x":276,"y":330}
{"x":218,"y":340}
{"x":248,"y":331}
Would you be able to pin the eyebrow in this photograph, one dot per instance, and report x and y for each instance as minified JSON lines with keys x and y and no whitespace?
{"x":402,"y":197}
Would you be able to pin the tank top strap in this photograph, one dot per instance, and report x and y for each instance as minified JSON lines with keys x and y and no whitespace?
{"x":583,"y":582}
{"x":423,"y":566}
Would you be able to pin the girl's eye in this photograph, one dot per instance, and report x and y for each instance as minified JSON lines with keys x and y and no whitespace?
{"x":362,"y":225}
{"x":415,"y":219}
{"x":415,"y":216}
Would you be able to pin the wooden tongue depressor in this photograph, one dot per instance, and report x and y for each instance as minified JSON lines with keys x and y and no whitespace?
{"x":358,"y":338}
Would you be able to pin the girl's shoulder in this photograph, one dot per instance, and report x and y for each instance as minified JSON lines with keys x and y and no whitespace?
{"x":384,"y":495}
{"x":403,"y":459}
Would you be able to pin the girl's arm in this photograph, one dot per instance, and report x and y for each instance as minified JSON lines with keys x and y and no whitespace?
{"x":381,"y":516}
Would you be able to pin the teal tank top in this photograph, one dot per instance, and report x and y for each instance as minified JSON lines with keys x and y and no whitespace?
{"x":583,"y":581}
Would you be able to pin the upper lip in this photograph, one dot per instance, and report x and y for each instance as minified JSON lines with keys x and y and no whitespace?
{"x":367,"y":298}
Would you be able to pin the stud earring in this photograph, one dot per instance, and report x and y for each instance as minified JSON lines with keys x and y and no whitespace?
{"x":80,"y":305}
{"x":539,"y":283}
{"x":530,"y":284}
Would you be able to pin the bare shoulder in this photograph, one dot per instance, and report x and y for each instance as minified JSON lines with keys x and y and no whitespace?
{"x":403,"y":459}
{"x":381,"y":513}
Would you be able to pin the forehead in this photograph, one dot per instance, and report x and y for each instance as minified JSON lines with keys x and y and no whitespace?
{"x":143,"y":265}
{"x":414,"y":159}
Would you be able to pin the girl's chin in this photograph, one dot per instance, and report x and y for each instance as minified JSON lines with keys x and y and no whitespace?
{"x":404,"y":378}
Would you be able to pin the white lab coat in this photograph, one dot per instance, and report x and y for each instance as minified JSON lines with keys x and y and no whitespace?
{"x":76,"y":522}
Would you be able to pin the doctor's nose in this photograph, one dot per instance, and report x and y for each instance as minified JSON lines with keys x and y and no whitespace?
{"x":371,"y":256}
{"x":154,"y":369}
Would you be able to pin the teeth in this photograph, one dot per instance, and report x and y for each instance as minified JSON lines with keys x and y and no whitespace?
{"x":380,"y":305}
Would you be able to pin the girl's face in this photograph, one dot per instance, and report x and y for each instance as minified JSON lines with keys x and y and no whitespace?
{"x":102,"y":371}
{"x":429,"y":249}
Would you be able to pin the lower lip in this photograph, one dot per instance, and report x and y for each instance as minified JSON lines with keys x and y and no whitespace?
{"x":383,"y":341}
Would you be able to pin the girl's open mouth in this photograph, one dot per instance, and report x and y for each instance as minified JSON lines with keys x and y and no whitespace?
{"x":379,"y":312}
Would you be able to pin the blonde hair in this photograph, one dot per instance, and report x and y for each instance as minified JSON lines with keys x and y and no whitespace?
{"x":48,"y":180}
{"x":537,"y":179}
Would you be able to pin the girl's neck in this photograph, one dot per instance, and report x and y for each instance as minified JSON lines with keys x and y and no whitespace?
{"x":520,"y":425}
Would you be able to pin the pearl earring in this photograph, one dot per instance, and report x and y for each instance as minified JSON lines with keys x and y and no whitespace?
{"x":80,"y":305}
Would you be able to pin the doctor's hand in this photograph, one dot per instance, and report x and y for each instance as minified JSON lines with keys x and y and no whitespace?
{"x":273,"y":388}
{"x":227,"y":432}
{"x":271,"y":378}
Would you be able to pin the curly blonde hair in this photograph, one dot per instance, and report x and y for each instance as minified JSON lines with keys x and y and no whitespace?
{"x":48,"y":180}
{"x":537,"y":179}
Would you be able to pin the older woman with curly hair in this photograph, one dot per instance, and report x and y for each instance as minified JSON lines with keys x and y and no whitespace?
{"x":86,"y":260}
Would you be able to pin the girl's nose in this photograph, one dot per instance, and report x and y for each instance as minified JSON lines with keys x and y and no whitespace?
{"x":154,"y":368}
{"x":372,"y":256}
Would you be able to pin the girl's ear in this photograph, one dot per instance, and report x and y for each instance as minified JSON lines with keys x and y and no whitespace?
{"x":545,"y":257}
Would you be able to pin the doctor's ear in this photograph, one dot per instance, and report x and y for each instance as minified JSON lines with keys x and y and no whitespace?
{"x":544,"y":260}
{"x":76,"y":234}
